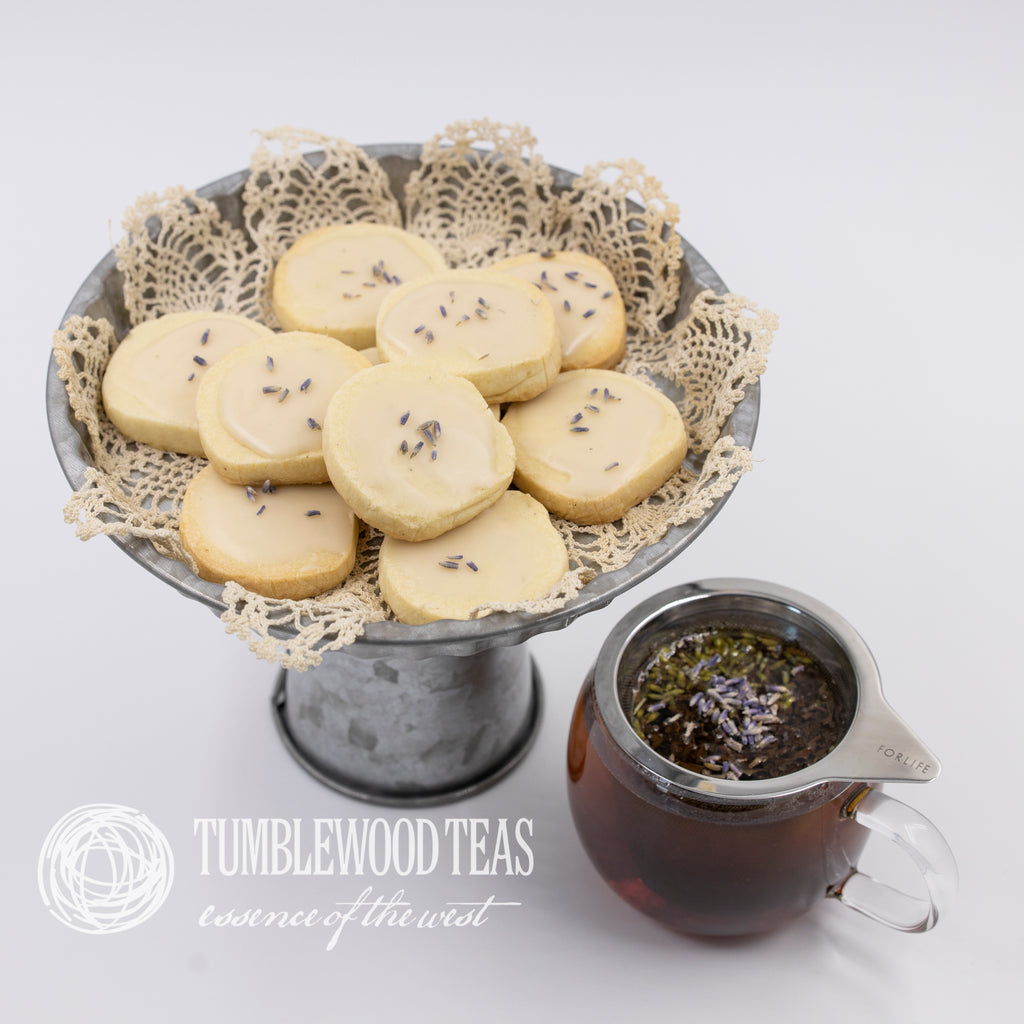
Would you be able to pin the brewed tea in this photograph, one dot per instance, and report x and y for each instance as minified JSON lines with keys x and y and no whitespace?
{"x":724,"y":764}
{"x":670,"y":856}
{"x":737,"y":704}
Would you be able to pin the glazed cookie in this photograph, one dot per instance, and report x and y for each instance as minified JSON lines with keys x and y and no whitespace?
{"x":151,"y":382}
{"x":493,"y":329}
{"x":283,"y":542}
{"x":595,"y":443}
{"x":586,"y":302}
{"x":333,"y":280}
{"x":414,"y":450}
{"x":510,"y":552}
{"x":261,"y":408}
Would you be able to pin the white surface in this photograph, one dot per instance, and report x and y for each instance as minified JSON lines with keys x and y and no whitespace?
{"x":856,"y":169}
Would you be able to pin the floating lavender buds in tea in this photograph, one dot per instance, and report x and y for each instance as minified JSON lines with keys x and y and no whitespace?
{"x":737,"y":704}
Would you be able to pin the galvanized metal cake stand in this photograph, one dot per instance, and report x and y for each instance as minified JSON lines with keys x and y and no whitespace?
{"x":408,"y":715}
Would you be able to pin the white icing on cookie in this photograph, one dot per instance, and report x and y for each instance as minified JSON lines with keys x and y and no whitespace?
{"x":588,"y":307}
{"x":595,"y":443}
{"x":153,"y":377}
{"x":275,"y":403}
{"x":290,"y":541}
{"x":493,"y":329}
{"x":510,"y":552}
{"x":414,"y":450}
{"x":261,"y":409}
{"x":333,"y":280}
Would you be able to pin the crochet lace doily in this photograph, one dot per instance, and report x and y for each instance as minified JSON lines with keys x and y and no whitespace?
{"x":480,"y":192}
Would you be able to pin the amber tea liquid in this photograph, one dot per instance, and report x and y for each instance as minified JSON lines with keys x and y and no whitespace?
{"x":700,"y":865}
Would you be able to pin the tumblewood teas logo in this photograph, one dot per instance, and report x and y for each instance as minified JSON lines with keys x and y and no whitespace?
{"x":104,"y":868}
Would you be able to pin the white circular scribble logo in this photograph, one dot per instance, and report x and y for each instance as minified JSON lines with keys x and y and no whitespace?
{"x":104,"y":868}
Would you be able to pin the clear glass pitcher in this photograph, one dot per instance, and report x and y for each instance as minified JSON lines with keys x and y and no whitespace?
{"x":713,"y":855}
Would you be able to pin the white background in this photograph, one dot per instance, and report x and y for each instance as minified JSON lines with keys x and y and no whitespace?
{"x":855,"y":168}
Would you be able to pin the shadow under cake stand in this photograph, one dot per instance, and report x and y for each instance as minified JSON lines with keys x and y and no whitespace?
{"x":407,"y":715}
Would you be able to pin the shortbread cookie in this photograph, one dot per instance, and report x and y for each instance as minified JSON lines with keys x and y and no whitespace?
{"x":588,"y":307}
{"x":595,"y":443}
{"x":153,"y":377}
{"x":493,"y":329}
{"x":283,"y":542}
{"x":333,"y":280}
{"x":261,"y":408}
{"x":414,"y":450}
{"x":510,"y":552}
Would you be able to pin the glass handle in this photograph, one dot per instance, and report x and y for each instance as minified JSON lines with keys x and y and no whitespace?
{"x":923,"y":843}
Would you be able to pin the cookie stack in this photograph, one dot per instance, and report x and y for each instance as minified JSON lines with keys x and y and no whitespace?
{"x":452,"y":410}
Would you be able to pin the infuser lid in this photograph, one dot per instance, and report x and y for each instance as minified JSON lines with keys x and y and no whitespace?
{"x":876,"y":746}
